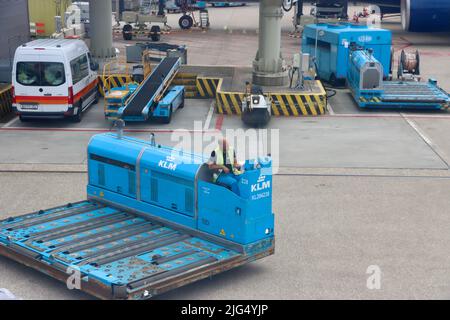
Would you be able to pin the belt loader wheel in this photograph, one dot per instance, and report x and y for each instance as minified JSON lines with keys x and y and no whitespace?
{"x":186,"y":22}
{"x":155,"y":33}
{"x":168,"y":119}
{"x":182,"y":103}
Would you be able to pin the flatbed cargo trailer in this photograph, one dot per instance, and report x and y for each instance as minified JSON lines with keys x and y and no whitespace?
{"x":153,"y":221}
{"x":365,"y":81}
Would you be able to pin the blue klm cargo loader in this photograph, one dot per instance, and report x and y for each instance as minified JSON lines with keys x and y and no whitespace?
{"x":153,"y":221}
{"x":331,"y":44}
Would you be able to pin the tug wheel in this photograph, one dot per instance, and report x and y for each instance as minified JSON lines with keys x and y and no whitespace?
{"x":127,"y":32}
{"x":186,"y":22}
{"x":155,"y":33}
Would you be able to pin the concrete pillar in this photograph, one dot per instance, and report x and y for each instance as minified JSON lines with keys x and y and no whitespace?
{"x":100,"y":17}
{"x":268,"y":66}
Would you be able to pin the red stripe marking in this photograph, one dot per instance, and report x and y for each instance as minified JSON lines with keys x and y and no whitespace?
{"x":219,"y":122}
{"x":405,"y":45}
{"x":98,"y":130}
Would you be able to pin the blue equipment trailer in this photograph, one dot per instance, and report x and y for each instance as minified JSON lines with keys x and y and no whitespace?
{"x":365,"y":80}
{"x":153,"y":221}
{"x":222,"y":4}
{"x":331,"y":44}
{"x":145,"y":99}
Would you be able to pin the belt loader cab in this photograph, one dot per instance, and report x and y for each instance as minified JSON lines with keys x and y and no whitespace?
{"x":54,"y":78}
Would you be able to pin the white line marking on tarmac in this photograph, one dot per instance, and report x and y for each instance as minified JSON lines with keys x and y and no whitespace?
{"x":209,"y":117}
{"x":10,"y":122}
{"x":330,"y":109}
{"x":425,"y":138}
{"x":419,"y":132}
{"x":438,"y":116}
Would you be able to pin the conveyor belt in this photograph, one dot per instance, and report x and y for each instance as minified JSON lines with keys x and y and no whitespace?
{"x":147,"y":92}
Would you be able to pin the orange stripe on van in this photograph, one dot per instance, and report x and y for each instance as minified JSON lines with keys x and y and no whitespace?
{"x":42,"y":100}
{"x":86,"y":90}
{"x":57,"y":100}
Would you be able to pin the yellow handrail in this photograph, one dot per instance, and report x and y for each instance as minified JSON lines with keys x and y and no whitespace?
{"x":109,"y":73}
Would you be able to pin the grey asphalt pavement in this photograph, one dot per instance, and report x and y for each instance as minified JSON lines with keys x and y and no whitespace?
{"x":354,"y":189}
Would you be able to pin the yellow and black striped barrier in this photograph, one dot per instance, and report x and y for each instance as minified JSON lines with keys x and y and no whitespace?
{"x":374,"y":99}
{"x":5,"y":101}
{"x":295,"y":104}
{"x":189,"y":81}
{"x":229,"y":102}
{"x":207,"y":87}
{"x":283,"y":104}
{"x":113,"y":81}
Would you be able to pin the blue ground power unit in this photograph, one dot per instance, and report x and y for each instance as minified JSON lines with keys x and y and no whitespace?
{"x":331,"y":45}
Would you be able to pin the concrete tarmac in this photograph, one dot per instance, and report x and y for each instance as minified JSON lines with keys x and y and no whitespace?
{"x":354,"y":188}
{"x":329,"y":230}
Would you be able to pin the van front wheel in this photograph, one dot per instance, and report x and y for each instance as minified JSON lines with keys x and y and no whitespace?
{"x":77,"y":117}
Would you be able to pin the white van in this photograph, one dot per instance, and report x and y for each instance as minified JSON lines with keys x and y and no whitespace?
{"x":54,"y":78}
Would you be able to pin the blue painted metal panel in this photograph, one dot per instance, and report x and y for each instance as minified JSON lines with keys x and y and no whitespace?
{"x":173,"y":99}
{"x":167,"y":176}
{"x":167,"y":186}
{"x":334,"y":42}
{"x":244,"y":219}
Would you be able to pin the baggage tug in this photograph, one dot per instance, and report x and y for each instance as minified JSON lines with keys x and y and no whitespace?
{"x":153,"y":221}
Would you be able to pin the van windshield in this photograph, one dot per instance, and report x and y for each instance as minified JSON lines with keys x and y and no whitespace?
{"x":45,"y":74}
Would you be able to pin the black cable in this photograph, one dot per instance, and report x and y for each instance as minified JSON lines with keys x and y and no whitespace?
{"x":332,"y":94}
{"x":327,"y":89}
{"x":291,"y":77}
{"x":337,"y":87}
